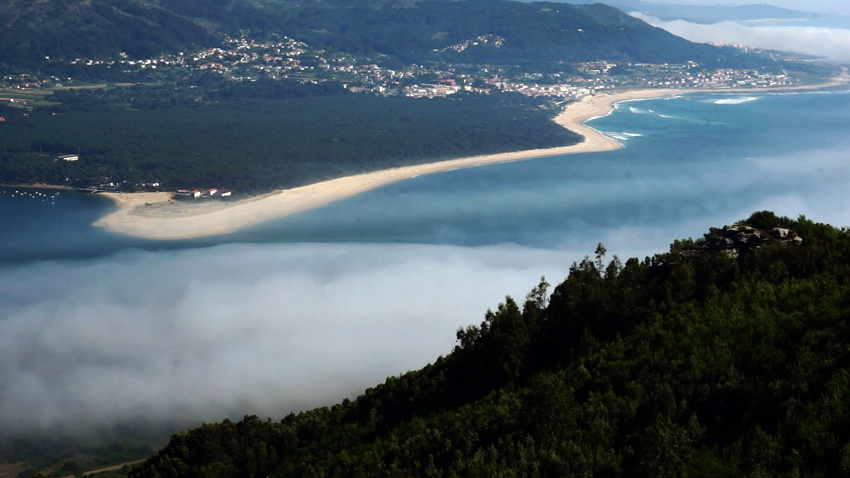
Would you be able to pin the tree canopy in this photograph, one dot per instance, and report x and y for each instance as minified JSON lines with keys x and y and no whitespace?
{"x":259,"y":136}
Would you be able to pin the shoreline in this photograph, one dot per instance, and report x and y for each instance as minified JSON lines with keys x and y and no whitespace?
{"x":157,"y":216}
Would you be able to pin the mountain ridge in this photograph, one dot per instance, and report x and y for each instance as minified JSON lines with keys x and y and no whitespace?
{"x":546,"y":32}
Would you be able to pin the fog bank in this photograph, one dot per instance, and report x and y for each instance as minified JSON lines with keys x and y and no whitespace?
{"x":831,"y":43}
{"x":207,"y":333}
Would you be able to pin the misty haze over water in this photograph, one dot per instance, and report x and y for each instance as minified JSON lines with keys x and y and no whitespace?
{"x":98,"y":329}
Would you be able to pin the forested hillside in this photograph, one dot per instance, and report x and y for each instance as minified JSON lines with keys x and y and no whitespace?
{"x":535,"y":34}
{"x":35,"y":30}
{"x":33,"y":33}
{"x":727,"y":356}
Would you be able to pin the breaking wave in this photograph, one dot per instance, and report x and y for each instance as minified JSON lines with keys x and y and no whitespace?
{"x":736,"y":101}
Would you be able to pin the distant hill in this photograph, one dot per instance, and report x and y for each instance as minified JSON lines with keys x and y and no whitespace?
{"x":404,"y":30}
{"x":727,"y":356}
{"x":140,"y":28}
{"x":533,"y":32}
{"x":79,"y":28}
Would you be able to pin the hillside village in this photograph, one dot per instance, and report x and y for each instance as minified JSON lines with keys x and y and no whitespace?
{"x":245,"y":59}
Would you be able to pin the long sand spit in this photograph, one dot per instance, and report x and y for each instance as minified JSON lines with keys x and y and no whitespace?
{"x":156,"y":216}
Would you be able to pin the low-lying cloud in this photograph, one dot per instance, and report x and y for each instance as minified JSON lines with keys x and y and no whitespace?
{"x":185,"y":336}
{"x":831,"y":43}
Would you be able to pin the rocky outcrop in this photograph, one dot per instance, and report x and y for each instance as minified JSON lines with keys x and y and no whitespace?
{"x":737,"y":240}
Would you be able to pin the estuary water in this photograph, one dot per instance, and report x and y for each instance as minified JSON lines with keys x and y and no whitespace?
{"x":99,"y":330}
{"x":690,"y":161}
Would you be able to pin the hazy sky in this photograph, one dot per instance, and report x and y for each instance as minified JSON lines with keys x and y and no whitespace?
{"x":840,"y":7}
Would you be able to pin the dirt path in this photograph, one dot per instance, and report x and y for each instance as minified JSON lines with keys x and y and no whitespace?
{"x":113,"y":467}
{"x":109,"y":468}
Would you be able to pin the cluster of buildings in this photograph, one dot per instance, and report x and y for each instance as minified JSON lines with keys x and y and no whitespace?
{"x":488,"y":39}
{"x":273,"y":57}
{"x":244,"y":59}
{"x":557,"y":90}
{"x":595,"y":67}
{"x":202,"y":193}
{"x":21,"y":81}
{"x":428,"y":90}
{"x":689,"y":75}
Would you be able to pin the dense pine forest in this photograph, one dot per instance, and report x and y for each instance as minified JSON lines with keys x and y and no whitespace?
{"x":726,"y":356}
{"x":259,"y":136}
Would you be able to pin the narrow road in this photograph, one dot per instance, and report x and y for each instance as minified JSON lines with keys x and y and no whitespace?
{"x":109,"y":468}
{"x":113,"y":467}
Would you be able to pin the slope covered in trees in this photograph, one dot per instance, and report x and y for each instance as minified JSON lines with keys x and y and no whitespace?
{"x":71,"y":28}
{"x":534,"y":33}
{"x":691,"y":363}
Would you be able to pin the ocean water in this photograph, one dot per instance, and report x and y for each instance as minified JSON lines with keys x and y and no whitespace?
{"x":98,"y":329}
{"x":690,"y":161}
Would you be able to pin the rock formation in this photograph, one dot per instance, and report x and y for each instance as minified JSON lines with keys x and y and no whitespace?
{"x":737,"y":240}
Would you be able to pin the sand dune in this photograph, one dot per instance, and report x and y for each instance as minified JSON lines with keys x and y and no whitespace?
{"x":156,"y":216}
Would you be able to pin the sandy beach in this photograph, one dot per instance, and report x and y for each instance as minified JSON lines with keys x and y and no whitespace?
{"x":157,"y":216}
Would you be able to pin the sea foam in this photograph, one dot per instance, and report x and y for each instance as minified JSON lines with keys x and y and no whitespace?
{"x":736,"y":101}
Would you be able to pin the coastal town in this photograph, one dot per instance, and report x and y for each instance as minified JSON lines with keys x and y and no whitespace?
{"x":245,"y":59}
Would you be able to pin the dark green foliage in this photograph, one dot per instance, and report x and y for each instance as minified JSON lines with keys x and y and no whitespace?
{"x":668,"y":367}
{"x":73,"y":28}
{"x":291,"y":135}
{"x":535,"y":34}
{"x":74,"y":467}
{"x":768,"y":220}
{"x":248,"y":448}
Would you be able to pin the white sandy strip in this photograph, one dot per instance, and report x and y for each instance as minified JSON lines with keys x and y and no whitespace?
{"x":130,"y":218}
